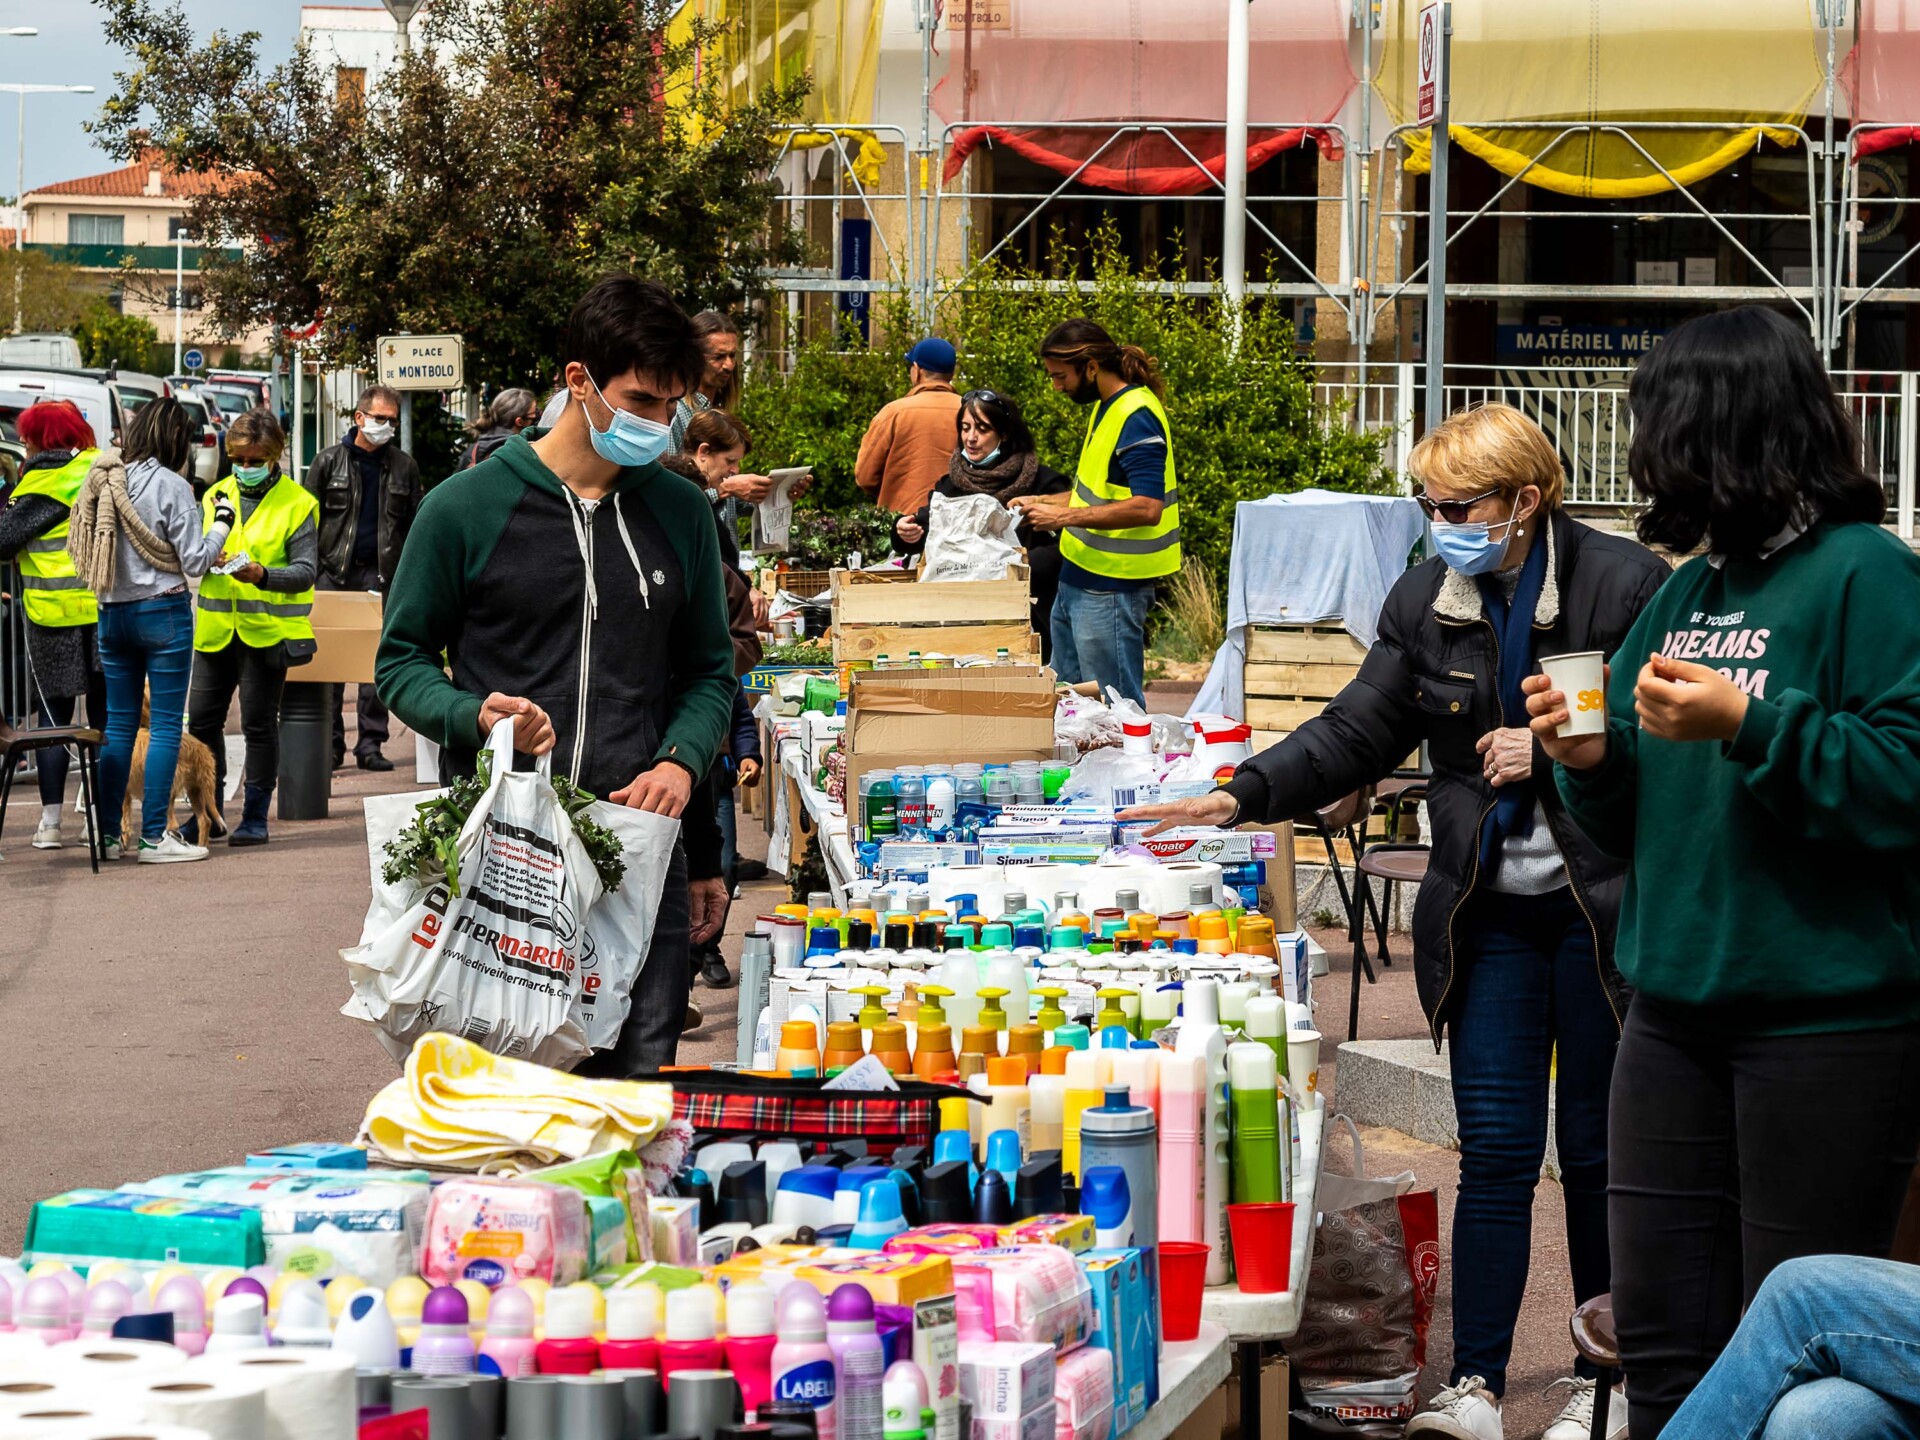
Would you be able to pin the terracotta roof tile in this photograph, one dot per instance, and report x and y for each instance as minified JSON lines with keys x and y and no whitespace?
{"x":130,"y":183}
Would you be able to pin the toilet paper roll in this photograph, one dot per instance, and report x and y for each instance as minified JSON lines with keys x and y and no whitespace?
{"x":311,"y":1394}
{"x":591,"y":1407}
{"x":75,"y":1423}
{"x":25,"y":1390}
{"x":134,"y":1430}
{"x":91,"y":1359}
{"x":449,"y":1413}
{"x":204,"y":1399}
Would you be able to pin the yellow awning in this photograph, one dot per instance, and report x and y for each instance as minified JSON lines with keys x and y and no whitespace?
{"x":1524,"y":71}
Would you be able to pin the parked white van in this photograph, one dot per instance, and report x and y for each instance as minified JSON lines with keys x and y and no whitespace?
{"x":50,"y":351}
{"x":98,"y":401}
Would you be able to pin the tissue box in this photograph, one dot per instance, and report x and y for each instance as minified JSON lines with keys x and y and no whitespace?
{"x":499,"y":1232}
{"x":890,"y":1279}
{"x":1037,"y":1426}
{"x":1006,"y":1379}
{"x":310,"y":1157}
{"x":319,"y":1222}
{"x":1126,"y":1323}
{"x":675,"y":1221}
{"x":1073,"y":1232}
{"x":86,"y":1225}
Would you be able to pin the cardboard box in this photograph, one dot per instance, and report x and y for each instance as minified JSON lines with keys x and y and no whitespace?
{"x":989,"y":713}
{"x":889,"y":612}
{"x":676,"y":1228}
{"x":890,"y":1279}
{"x":936,"y":1350}
{"x":1005,"y":1379}
{"x":1208,"y":1420}
{"x":1275,"y":1382}
{"x":1127,"y":1322}
{"x":1036,"y":1426}
{"x":346,"y":629}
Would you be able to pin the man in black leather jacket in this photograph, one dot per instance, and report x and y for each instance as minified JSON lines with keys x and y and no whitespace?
{"x":368,"y":489}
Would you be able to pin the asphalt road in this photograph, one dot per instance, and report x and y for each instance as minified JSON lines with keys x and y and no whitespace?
{"x":159,"y":1019}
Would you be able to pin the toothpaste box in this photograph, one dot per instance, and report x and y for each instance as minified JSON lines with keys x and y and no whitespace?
{"x":1200,"y":842}
{"x":1005,"y":1379}
{"x":1126,"y":1323}
{"x":1036,"y":1426}
{"x":890,"y":1279}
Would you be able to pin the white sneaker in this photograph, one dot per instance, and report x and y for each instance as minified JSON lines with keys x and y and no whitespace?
{"x":47,"y":837}
{"x":1465,"y":1411}
{"x":1576,"y":1421}
{"x":171,"y":850}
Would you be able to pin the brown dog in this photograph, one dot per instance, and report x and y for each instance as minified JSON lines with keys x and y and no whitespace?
{"x":193,"y":777}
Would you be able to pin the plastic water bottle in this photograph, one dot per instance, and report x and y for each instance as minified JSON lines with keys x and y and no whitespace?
{"x":970,"y":811}
{"x":911,"y":785}
{"x":941,"y":804}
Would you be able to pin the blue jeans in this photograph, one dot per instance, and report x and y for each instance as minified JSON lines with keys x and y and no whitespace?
{"x":1101,"y":635}
{"x":1529,"y":986}
{"x":729,"y":835}
{"x":1829,"y":1347}
{"x":144,"y":645}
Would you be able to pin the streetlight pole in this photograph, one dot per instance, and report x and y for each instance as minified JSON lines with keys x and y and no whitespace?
{"x":20,"y":172}
{"x":403,"y":12}
{"x":179,"y":299}
{"x":1233,"y":247}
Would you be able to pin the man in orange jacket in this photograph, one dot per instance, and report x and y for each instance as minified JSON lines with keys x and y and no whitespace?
{"x":910,"y":443}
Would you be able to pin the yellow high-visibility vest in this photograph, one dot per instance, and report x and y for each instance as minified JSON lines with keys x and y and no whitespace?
{"x":260,"y":617}
{"x":1142,"y":552}
{"x":56,"y":595}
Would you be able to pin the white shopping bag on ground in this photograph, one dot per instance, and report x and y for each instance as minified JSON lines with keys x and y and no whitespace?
{"x":498,"y":963}
{"x":620,"y":928}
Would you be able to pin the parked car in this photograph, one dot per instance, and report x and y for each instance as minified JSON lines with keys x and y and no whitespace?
{"x":209,"y":446}
{"x":228,"y":400}
{"x":100,"y":402}
{"x":51,"y":351}
{"x":260,"y":382}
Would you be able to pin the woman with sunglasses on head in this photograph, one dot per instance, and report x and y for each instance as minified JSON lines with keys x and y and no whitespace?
{"x":1513,"y":929}
{"x":995,"y":456}
{"x":1761,"y":768}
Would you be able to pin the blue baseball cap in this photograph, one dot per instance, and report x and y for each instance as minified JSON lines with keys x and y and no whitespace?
{"x":935,"y":355}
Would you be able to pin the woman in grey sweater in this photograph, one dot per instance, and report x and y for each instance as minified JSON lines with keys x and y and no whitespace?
{"x":137,"y":537}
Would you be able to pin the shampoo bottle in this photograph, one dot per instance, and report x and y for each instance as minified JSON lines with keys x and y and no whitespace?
{"x":1256,"y":1123}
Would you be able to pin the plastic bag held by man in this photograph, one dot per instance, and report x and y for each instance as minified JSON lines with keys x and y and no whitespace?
{"x":487,"y":947}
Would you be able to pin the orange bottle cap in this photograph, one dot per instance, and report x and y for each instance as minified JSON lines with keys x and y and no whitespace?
{"x":1255,"y":928}
{"x":1025,"y":1040}
{"x":843,"y":1035}
{"x":1006,"y":1070}
{"x":934,"y":1039}
{"x":980,"y":1040}
{"x":798,"y":1035}
{"x":1211,"y":926}
{"x":1053,"y":1060}
{"x":890,"y":1035}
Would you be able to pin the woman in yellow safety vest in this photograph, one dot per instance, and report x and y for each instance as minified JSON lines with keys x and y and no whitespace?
{"x":62,"y":650}
{"x":255,"y":614}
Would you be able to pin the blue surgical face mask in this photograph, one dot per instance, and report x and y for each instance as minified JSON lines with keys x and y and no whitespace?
{"x":629,"y":440}
{"x":985,"y":460}
{"x":1471,"y":548}
{"x":252,"y":477}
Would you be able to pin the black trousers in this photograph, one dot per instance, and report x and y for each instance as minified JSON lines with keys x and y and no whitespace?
{"x":1730,"y":1155}
{"x":651,"y":1036}
{"x":375,"y":728}
{"x":59,"y":710}
{"x":260,"y":675}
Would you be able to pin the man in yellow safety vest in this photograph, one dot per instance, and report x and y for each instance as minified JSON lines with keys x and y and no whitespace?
{"x":1120,"y":525}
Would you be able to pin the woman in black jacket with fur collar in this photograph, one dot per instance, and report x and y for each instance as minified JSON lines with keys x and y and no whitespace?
{"x":1513,"y":930}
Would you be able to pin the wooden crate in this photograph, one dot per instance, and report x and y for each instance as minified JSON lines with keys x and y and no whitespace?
{"x":1291,"y":673}
{"x":891,"y":613}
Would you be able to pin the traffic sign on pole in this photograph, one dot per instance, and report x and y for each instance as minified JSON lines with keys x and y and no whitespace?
{"x":1432,"y":57}
{"x":194,"y":360}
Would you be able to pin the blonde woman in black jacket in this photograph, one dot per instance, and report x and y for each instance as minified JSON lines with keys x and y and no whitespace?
{"x":1514,"y":927}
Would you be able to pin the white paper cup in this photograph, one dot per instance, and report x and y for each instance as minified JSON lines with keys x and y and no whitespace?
{"x":1582,"y":678}
{"x":1303,"y":1060}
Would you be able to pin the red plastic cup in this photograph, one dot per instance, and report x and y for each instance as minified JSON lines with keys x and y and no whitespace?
{"x":1262,"y":1245}
{"x":1183,"y":1275}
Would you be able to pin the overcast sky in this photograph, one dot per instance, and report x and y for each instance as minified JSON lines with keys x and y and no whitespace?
{"x":71,"y":50}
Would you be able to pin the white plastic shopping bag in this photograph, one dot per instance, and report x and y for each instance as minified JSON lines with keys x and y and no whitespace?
{"x":620,"y":928}
{"x":969,"y":537}
{"x":492,"y":952}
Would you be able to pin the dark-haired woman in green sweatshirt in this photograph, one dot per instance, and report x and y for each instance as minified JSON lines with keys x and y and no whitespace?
{"x":1761,"y":771}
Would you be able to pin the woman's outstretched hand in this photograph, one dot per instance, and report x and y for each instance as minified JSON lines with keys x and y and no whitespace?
{"x":1547,"y":708}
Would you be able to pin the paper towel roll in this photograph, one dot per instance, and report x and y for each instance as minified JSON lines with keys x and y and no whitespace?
{"x":92,"y":1359}
{"x":202,"y":1397}
{"x":310,"y":1394}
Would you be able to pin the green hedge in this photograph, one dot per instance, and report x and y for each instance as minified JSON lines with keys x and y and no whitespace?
{"x":1243,"y":428}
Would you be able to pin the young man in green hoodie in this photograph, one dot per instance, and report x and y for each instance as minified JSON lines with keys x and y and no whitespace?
{"x":574,"y":586}
{"x":1761,"y":771}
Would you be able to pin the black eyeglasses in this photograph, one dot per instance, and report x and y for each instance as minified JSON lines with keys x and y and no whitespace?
{"x":1454,"y":512}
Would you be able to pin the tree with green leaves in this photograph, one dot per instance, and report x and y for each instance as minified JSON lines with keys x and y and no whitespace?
{"x":522,"y":150}
{"x":109,"y":338}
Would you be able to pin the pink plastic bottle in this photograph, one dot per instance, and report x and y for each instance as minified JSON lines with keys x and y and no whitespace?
{"x":803,"y":1367}
{"x":188,"y":1302}
{"x":750,"y":1342}
{"x":1183,"y":1098}
{"x":690,"y":1342}
{"x":509,"y":1347}
{"x":633,"y":1328}
{"x":569,"y":1348}
{"x":43,"y":1311}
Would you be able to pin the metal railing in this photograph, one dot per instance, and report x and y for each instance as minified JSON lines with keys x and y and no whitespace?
{"x":16,"y":680}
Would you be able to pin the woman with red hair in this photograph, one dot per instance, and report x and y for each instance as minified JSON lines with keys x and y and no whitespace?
{"x":61,"y":648}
